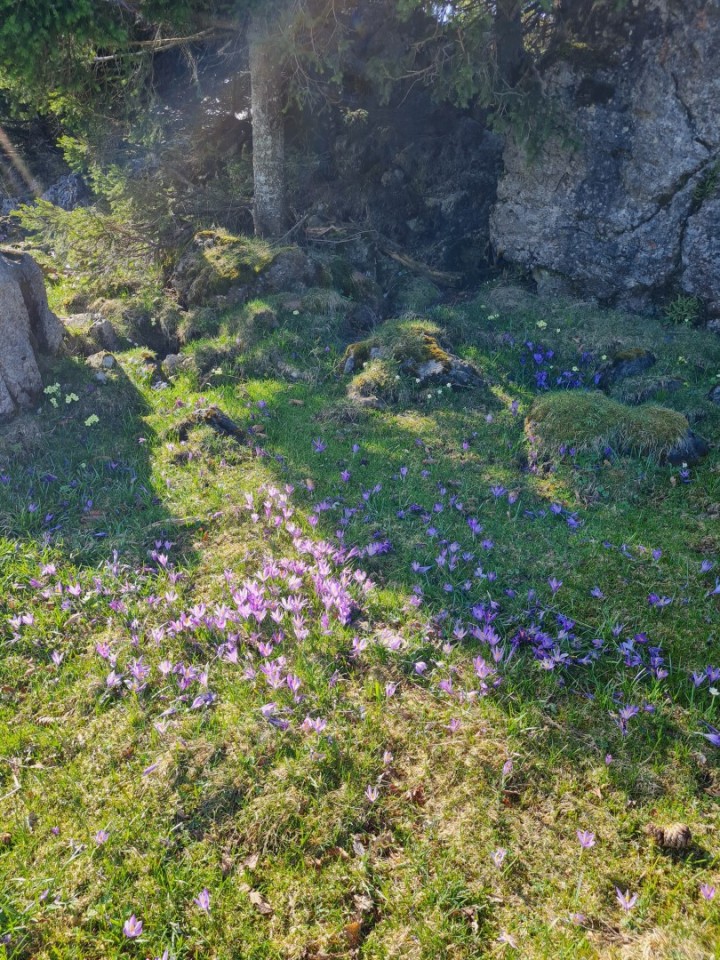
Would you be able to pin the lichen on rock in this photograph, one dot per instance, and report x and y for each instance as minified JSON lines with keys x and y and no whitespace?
{"x":623,"y":207}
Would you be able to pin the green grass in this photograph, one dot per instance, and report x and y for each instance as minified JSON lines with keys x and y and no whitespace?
{"x":276,"y":824}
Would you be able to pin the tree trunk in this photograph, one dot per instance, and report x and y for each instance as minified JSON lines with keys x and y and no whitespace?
{"x":509,"y":46}
{"x":268,"y":126}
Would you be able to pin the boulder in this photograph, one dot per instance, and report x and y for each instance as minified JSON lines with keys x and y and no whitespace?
{"x":29,"y":330}
{"x":103,"y":333}
{"x":624,"y":364}
{"x":173,"y":364}
{"x":406,"y":349}
{"x":101,"y":361}
{"x":689,"y":450}
{"x":623,"y":207}
{"x":701,"y":256}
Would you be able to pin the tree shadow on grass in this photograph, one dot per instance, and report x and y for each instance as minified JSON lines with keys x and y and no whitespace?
{"x":76,"y":477}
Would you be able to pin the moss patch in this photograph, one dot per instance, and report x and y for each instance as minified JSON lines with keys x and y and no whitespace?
{"x":406,"y":341}
{"x":594,"y":421}
{"x":218,"y":261}
{"x":377,"y":384}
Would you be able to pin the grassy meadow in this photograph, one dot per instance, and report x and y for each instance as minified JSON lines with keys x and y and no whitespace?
{"x":373,"y":683}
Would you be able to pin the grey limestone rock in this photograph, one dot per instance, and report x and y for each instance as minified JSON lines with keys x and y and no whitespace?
{"x":28,"y":330}
{"x":629,"y":209}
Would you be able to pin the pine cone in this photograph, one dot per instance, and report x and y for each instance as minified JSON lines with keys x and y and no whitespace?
{"x":675,"y":837}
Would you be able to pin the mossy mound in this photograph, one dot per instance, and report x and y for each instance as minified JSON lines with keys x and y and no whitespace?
{"x":411,"y":343}
{"x":593,"y":421}
{"x":416,"y":295}
{"x":410,"y":352}
{"x":625,"y":362}
{"x":218,"y":261}
{"x":378,"y":384}
{"x":637,"y":390}
{"x":154,"y":326}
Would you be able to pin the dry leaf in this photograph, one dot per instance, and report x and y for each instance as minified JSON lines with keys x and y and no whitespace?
{"x":258,"y":901}
{"x":338,"y":852}
{"x":417,"y":795}
{"x":353,"y":932}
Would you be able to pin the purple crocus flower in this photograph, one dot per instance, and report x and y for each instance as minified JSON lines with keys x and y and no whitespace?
{"x":132,"y":927}
{"x":713,"y":736}
{"x":626,"y":900}
{"x":202,"y":900}
{"x":707,"y":891}
{"x":586,"y":839}
{"x":498,"y":856}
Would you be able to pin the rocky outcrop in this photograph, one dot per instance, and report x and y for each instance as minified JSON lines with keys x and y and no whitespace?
{"x":28,"y":330}
{"x":630,"y":212}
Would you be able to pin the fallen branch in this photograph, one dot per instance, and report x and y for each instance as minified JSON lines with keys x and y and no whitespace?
{"x":441,"y":277}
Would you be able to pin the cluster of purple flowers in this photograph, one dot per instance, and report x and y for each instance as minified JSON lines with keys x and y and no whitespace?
{"x":538,"y":359}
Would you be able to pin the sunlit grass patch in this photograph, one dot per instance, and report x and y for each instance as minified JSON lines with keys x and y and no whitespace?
{"x":535,"y":659}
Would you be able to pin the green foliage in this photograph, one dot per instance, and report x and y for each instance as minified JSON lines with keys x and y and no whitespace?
{"x":708,"y":185}
{"x":683,"y":309}
{"x":95,"y":251}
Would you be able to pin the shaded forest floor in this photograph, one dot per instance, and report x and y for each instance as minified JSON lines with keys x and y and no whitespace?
{"x":350,"y":685}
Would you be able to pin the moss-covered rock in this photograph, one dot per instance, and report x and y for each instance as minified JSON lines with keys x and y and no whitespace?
{"x":637,"y":390}
{"x":593,"y":421}
{"x":155,"y":327}
{"x":377,"y":384}
{"x":416,"y":295}
{"x":414,"y":346}
{"x":623,"y":363}
{"x":216,"y":262}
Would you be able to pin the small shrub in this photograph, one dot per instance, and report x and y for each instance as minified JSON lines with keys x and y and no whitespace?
{"x":92,"y":250}
{"x":683,"y":309}
{"x":708,"y":184}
